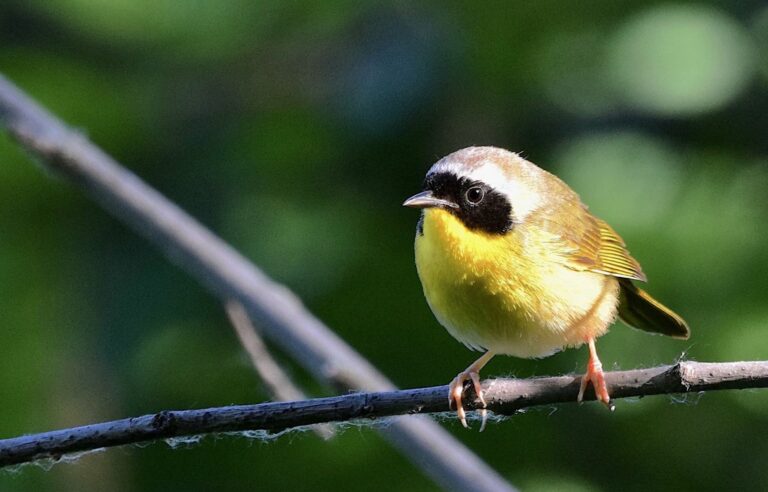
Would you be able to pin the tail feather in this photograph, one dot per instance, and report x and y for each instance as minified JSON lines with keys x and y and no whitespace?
{"x":639,"y":310}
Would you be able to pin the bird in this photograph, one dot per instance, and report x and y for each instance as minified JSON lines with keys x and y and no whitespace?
{"x":512,"y":262}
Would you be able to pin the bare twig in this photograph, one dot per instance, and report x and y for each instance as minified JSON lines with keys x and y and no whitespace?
{"x":228,"y":275}
{"x":503,"y":395}
{"x":275,"y":379}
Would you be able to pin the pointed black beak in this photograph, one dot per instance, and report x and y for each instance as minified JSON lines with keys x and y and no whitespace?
{"x":425,"y":199}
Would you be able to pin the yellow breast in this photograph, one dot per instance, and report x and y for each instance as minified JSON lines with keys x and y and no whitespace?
{"x":508,"y":293}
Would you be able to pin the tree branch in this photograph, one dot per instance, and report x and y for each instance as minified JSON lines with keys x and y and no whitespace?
{"x":504,"y":396}
{"x":228,"y":275}
{"x":275,"y":379}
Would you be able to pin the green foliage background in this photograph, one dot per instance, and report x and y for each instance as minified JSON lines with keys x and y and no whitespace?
{"x":295,"y":130}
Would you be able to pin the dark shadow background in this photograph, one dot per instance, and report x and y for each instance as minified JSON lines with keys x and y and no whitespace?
{"x":295,"y":130}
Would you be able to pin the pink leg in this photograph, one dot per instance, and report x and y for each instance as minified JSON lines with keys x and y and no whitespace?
{"x":595,"y":376}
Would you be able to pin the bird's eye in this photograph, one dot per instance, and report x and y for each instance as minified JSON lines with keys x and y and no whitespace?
{"x":475,"y":195}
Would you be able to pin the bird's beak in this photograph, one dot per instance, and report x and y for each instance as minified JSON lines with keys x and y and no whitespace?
{"x":425,"y":199}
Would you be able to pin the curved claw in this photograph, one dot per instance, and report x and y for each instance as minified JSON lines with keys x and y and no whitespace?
{"x":480,"y":396}
{"x":456,"y":395}
{"x":456,"y":389}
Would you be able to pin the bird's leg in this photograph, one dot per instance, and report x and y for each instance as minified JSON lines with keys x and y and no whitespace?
{"x":456,"y":388}
{"x":595,"y":375}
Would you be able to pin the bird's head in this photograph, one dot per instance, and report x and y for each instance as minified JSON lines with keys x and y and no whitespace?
{"x":489,"y":189}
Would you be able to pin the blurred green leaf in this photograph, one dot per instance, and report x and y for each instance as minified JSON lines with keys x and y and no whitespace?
{"x":681,"y":59}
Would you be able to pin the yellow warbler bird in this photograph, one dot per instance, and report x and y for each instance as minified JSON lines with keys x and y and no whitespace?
{"x":513,"y":263}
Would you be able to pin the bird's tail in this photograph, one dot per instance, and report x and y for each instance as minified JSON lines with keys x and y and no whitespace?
{"x":639,"y":310}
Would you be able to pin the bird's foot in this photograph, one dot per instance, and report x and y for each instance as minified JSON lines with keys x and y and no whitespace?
{"x":595,"y":376}
{"x":456,"y":393}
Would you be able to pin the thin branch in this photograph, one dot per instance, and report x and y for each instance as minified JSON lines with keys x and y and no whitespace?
{"x":278,"y":384}
{"x":229,"y":275}
{"x":504,"y":396}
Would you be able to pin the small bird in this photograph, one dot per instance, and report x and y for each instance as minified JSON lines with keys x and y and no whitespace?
{"x":512,"y":262}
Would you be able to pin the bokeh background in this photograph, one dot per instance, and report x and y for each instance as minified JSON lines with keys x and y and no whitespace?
{"x":295,"y":130}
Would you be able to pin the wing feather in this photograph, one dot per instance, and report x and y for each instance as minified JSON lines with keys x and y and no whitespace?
{"x":587,"y":243}
{"x":613,"y":257}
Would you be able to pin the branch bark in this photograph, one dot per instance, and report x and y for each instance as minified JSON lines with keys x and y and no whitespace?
{"x":504,"y":396}
{"x":228,"y":275}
